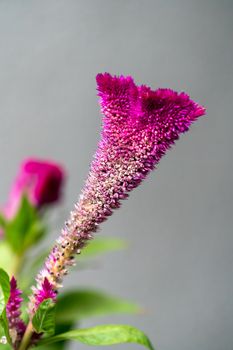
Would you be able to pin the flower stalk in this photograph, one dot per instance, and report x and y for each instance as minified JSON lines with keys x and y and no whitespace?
{"x":26,"y":340}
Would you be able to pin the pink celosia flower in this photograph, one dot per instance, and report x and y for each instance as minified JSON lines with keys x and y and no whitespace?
{"x":40,"y":180}
{"x":139,"y":126}
{"x":16,"y":325}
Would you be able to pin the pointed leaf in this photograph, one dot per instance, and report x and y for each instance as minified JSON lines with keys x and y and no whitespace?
{"x":44,"y":319}
{"x":5,"y":284}
{"x":32,"y":265}
{"x":79,"y":304}
{"x":5,"y":325}
{"x":104,"y":335}
{"x":62,"y":345}
{"x":25,"y":228}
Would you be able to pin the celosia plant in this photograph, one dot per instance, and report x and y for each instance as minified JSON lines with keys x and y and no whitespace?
{"x":139,"y":126}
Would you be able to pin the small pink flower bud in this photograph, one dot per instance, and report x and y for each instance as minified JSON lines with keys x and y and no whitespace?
{"x":41,"y":181}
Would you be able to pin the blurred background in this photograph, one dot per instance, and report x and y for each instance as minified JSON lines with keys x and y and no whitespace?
{"x":179,"y":222}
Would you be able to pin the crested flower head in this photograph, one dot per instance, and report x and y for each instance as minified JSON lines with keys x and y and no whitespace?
{"x":16,"y":325}
{"x":40,"y":181}
{"x":139,"y":126}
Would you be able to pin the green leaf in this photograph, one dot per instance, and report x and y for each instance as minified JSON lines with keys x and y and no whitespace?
{"x":104,"y":335}
{"x":5,"y":285}
{"x":4,"y":346}
{"x":5,"y":325}
{"x":25,"y":229}
{"x":7,"y":347}
{"x":4,"y":296}
{"x":34,"y":233}
{"x":44,"y":319}
{"x":30,"y":268}
{"x":62,"y":345}
{"x":54,"y":346}
{"x":102,"y":245}
{"x":79,"y":304}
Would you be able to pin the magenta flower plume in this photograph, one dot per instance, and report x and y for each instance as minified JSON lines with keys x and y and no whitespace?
{"x":139,"y":126}
{"x":41,"y":181}
{"x":44,"y":292}
{"x":16,"y":325}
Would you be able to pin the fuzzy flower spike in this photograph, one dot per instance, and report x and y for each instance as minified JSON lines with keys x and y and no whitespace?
{"x":139,"y":126}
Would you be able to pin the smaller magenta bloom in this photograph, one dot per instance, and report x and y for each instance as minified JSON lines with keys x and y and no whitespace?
{"x":45,"y":292}
{"x":41,"y":181}
{"x":16,"y":325}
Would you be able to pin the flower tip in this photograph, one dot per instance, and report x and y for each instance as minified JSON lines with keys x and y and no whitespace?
{"x":102,"y":76}
{"x":103,"y":80}
{"x":107,"y":83}
{"x":13,"y":283}
{"x":48,"y":291}
{"x":46,"y":284}
{"x":200,"y":111}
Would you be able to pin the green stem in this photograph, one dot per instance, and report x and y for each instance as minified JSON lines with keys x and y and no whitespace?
{"x":18,"y":261}
{"x":25,"y":343}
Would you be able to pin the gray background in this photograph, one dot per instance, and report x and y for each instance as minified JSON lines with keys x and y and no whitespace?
{"x":179,"y":222}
